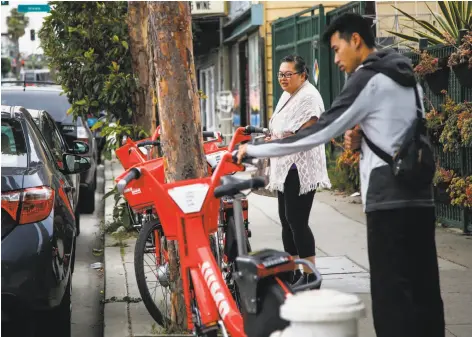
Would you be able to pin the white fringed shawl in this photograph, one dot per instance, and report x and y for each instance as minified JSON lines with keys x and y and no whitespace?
{"x":289,"y":115}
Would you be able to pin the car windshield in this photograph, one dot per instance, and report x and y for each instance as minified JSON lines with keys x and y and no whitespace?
{"x":50,"y":101}
{"x":14,"y":152}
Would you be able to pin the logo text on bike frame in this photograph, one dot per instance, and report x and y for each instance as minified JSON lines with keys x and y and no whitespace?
{"x":215,"y":289}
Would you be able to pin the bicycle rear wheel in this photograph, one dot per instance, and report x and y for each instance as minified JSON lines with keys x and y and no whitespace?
{"x":152,"y":272}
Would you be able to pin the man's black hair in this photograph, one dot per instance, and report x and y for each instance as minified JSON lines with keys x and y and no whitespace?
{"x":300,"y":64}
{"x":346,"y":25}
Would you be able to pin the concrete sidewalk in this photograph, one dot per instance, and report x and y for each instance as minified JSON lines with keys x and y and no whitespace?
{"x":339,"y":227}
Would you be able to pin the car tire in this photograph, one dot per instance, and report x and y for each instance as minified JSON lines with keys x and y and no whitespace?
{"x":87,"y":200}
{"x":57,"y":322}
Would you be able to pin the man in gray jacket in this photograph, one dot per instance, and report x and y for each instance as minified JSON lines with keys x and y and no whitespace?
{"x":406,"y":298}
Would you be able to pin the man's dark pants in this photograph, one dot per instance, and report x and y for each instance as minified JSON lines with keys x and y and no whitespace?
{"x":406,"y":298}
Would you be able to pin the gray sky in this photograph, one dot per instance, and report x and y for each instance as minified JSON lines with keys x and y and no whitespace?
{"x":35,"y":22}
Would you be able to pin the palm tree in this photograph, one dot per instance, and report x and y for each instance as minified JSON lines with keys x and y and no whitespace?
{"x":16,"y":22}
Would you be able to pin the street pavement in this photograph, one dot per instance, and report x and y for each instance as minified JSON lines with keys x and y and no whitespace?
{"x":88,"y":283}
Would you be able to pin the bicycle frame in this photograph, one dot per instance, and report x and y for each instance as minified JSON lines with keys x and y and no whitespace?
{"x":188,"y":212}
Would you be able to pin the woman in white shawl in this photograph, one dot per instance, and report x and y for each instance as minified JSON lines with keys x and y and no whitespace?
{"x":296,"y":177}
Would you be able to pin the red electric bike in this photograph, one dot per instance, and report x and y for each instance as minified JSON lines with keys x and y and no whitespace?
{"x":188,"y":213}
{"x":151,"y":257}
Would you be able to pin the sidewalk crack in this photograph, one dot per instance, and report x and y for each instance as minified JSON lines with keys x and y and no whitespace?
{"x":130,"y":325}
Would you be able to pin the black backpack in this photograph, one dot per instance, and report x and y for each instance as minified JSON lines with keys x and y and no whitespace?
{"x":413,"y":165}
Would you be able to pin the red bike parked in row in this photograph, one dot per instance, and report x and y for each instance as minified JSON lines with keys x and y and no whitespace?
{"x":151,"y":246}
{"x":188,"y":212}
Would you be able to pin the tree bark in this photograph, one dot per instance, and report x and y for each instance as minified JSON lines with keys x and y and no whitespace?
{"x":179,"y":111}
{"x":138,"y":27}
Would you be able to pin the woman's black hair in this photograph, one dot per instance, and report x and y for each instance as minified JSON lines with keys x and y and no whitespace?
{"x":300,"y":64}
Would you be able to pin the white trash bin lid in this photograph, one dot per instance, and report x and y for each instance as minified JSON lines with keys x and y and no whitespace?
{"x":324,"y":305}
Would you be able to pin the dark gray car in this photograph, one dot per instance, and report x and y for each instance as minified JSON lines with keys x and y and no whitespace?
{"x":38,"y":230}
{"x":49,"y":98}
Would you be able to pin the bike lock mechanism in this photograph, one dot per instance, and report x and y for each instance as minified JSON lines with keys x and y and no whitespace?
{"x":316,"y":284}
{"x":133,"y":173}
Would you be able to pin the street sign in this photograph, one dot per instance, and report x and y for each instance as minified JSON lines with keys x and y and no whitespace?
{"x":5,"y":3}
{"x":33,"y":8}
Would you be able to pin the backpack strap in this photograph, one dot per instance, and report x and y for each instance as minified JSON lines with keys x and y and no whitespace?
{"x":381,"y":153}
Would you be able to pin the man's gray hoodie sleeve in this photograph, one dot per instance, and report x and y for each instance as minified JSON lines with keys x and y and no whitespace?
{"x":349,"y":108}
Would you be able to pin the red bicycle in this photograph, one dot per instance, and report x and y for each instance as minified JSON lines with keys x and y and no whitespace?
{"x":189,"y":213}
{"x":151,"y":257}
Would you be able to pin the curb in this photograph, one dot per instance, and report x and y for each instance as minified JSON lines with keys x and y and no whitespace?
{"x":115,"y":314}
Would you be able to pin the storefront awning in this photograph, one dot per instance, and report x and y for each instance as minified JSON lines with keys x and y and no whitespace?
{"x":248,"y":22}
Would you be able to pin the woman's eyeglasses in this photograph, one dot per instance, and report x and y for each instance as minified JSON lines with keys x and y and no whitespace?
{"x":286,"y":75}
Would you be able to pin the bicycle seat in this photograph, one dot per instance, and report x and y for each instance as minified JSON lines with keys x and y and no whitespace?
{"x":230,"y":185}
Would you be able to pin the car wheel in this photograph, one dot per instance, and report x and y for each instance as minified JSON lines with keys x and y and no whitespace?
{"x":56,"y":322}
{"x":87,"y":200}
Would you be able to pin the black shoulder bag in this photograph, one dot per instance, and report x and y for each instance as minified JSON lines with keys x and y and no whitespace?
{"x":413,"y":165}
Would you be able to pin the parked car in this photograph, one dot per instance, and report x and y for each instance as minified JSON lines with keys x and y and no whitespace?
{"x":38,"y":228}
{"x":49,"y":98}
{"x":58,"y":146}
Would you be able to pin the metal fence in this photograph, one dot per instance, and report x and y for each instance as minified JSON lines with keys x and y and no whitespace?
{"x":297,"y":34}
{"x":459,"y":161}
{"x":301,"y":34}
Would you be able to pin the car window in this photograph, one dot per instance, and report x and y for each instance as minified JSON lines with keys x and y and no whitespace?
{"x":29,"y":77}
{"x":50,"y":101}
{"x":43,"y":77}
{"x":53,"y":141}
{"x":37,"y":142}
{"x":14,"y":149}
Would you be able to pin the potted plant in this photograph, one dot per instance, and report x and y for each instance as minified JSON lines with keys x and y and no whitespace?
{"x":457,"y":124}
{"x":464,"y":124}
{"x":442,"y":179}
{"x":461,"y":61}
{"x":460,"y":191}
{"x":434,"y":124}
{"x":434,"y":71}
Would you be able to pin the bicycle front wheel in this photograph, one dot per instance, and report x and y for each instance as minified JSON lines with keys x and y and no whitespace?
{"x":151,"y":266}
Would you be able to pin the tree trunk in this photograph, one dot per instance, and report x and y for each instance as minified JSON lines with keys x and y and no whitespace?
{"x":179,"y":110}
{"x":138,"y":25}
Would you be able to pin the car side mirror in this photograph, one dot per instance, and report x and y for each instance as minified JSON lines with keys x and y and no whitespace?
{"x":75,"y":164}
{"x":80,"y":147}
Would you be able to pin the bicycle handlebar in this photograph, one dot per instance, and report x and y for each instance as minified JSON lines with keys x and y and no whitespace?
{"x":234,"y":188}
{"x":210,"y":134}
{"x":133,"y":173}
{"x":254,"y":129}
{"x":149,"y":143}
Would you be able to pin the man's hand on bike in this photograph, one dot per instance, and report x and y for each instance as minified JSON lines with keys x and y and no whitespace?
{"x":352,"y":139}
{"x":242,"y":150}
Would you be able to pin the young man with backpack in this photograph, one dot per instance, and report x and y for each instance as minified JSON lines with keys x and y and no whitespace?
{"x":396,"y":171}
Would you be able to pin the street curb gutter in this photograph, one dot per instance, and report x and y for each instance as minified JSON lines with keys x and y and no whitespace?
{"x":116,"y":318}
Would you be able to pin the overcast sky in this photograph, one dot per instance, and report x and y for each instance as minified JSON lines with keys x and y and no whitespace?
{"x":35,"y":22}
